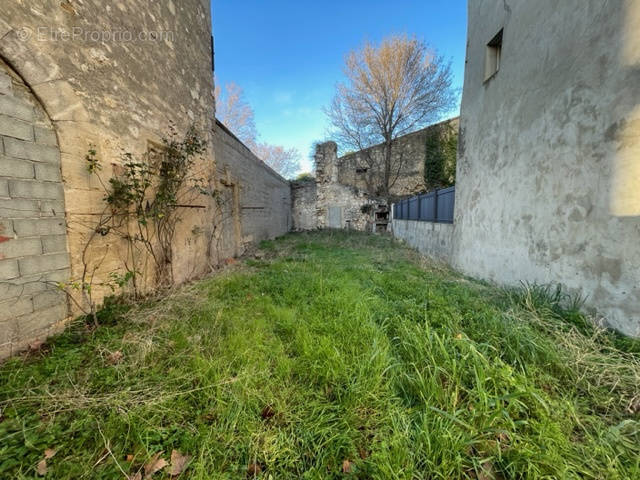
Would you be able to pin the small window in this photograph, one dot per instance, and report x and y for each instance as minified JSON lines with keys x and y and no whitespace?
{"x":493,"y":56}
{"x":361,"y":170}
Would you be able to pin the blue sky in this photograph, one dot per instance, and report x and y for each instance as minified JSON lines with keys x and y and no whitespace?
{"x":288,"y":55}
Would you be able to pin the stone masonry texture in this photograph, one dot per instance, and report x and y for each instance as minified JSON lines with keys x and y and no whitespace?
{"x":68,"y":88}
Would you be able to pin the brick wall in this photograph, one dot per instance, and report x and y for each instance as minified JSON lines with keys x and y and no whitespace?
{"x":33,"y":242}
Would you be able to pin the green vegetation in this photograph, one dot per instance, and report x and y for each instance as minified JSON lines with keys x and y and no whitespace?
{"x":441,"y":157}
{"x":335,"y":355}
{"x":305,"y":177}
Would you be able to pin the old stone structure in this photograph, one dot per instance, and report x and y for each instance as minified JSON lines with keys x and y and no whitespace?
{"x":345,"y":193}
{"x":326,"y":203}
{"x":110,"y":77}
{"x":363,"y":169}
{"x":548,"y":176}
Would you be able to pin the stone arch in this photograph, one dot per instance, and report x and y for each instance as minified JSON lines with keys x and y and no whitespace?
{"x":33,"y":234}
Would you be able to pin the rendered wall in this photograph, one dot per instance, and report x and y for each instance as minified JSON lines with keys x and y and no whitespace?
{"x":263,"y":199}
{"x":548,"y":175}
{"x":434,"y":240}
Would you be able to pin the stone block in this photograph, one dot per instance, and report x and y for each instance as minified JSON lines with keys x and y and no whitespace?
{"x":16,"y":108}
{"x":6,"y":85}
{"x":15,"y":168}
{"x":45,"y":136}
{"x":34,"y":189}
{"x":19,"y":208}
{"x":52,"y":208}
{"x":4,"y":188}
{"x":20,"y":247}
{"x":48,"y":299}
{"x":54,"y":243}
{"x":49,"y":172}
{"x":63,"y":103}
{"x":31,"y":151}
{"x":43,"y":263}
{"x":15,"y":307}
{"x":12,"y":127}
{"x":39,"y":226}
{"x":9,"y":269}
{"x":35,"y":65}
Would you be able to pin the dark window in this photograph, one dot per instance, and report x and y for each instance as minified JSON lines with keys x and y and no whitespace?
{"x":361,"y":170}
{"x":493,"y":56}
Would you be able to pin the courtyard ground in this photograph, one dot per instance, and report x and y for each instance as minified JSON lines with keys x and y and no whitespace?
{"x":333,"y":355}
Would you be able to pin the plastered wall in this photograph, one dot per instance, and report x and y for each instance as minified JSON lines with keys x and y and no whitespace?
{"x":548,"y":176}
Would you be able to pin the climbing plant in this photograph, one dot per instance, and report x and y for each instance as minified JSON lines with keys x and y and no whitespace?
{"x":144,"y":200}
{"x":440,"y":159}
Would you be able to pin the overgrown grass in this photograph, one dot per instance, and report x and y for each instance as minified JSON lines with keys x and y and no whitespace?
{"x":336,"y":355}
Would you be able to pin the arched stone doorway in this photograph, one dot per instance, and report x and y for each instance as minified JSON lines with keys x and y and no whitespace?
{"x":33,"y":234}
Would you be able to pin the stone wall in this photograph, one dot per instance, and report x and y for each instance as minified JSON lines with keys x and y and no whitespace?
{"x":434,"y":240}
{"x":363,"y":169}
{"x":337,"y":205}
{"x":304,"y":195}
{"x":548,"y":180}
{"x":33,"y":240}
{"x":112,"y":77}
{"x":257,"y":202}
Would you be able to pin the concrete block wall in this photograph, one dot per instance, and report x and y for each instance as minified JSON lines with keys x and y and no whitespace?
{"x":33,"y":240}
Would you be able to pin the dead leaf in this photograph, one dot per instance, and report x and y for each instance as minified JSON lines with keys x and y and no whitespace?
{"x":129,"y":458}
{"x":50,"y":453}
{"x":363,"y":453}
{"x":115,"y":357}
{"x":253,"y":469}
{"x":267,"y":412}
{"x":154,"y":465}
{"x":42,"y":468}
{"x":346,"y":466}
{"x":178,"y":463}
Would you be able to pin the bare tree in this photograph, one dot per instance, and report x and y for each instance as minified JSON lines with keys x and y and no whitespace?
{"x":236,"y":113}
{"x":391,"y":90}
{"x":285,"y":161}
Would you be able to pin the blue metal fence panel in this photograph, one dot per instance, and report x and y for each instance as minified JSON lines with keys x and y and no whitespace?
{"x":436,"y":206}
{"x":446,"y":198}
{"x":413,"y":208}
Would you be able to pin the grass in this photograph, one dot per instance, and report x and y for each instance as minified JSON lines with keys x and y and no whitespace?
{"x":334,"y":356}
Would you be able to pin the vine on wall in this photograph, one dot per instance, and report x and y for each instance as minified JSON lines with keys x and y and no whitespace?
{"x":441,"y":156}
{"x":144,"y":201}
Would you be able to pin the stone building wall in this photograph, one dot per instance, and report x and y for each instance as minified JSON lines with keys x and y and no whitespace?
{"x":363,"y":169}
{"x":337,"y":205}
{"x":304,"y":195}
{"x":113,"y":77}
{"x":256,"y":201}
{"x":548,"y":180}
{"x":33,"y":234}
